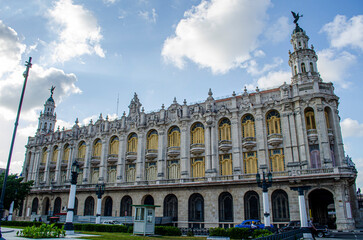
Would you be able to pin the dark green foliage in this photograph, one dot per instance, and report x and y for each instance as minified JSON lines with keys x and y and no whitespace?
{"x":21,"y":223}
{"x":42,"y":231}
{"x":130,"y":229}
{"x":16,"y":190}
{"x":238,"y":233}
{"x":190,"y":234}
{"x":261,"y":233}
{"x":218,"y":232}
{"x":167,"y":231}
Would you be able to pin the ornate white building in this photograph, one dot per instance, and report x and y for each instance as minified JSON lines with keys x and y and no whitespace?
{"x":199,"y":161}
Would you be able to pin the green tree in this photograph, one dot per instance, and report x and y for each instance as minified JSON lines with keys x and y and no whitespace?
{"x":16,"y":190}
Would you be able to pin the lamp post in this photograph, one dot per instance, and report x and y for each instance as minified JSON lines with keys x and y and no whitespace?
{"x":72,"y":197}
{"x":25,"y":74}
{"x":100,"y":190}
{"x":265,"y":184}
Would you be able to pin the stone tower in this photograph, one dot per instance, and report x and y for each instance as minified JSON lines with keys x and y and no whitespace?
{"x":303,"y":59}
{"x":47,"y":118}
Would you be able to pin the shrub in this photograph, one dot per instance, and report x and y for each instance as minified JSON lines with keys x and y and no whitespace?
{"x":190,"y":233}
{"x":43,"y":231}
{"x":130,"y":229}
{"x":218,"y":232}
{"x":238,"y":233}
{"x":261,"y":233}
{"x":167,"y":231}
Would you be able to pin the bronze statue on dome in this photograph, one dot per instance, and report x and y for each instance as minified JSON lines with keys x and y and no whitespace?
{"x":52,"y":90}
{"x":296,"y":17}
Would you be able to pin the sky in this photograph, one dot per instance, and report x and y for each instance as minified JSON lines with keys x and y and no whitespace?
{"x":99,"y":52}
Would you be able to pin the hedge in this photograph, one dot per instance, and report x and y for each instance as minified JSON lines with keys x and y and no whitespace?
{"x":167,"y":231}
{"x":239,"y":233}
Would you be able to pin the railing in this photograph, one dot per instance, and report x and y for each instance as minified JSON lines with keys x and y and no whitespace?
{"x":312,"y":131}
{"x":274,"y":139}
{"x":195,"y":231}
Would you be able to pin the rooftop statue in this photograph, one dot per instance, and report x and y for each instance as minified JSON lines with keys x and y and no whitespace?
{"x":52,"y":90}
{"x":296,"y":17}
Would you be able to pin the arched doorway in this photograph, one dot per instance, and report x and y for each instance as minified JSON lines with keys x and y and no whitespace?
{"x":89,"y":206}
{"x":280,"y":206}
{"x":171,"y":207}
{"x":46,"y":206}
{"x":57,"y":205}
{"x":108,"y":207}
{"x":35,"y":206}
{"x":126,"y":206}
{"x":252,"y":205}
{"x":196,"y":210}
{"x":149,"y":200}
{"x":225,"y":204}
{"x":322,"y":207}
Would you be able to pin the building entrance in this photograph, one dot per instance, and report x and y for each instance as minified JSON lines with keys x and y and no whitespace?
{"x":322,"y":208}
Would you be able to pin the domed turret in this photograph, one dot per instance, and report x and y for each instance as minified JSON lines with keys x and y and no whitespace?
{"x":47,"y":118}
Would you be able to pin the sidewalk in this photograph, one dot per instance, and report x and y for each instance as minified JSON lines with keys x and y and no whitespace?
{"x":10,"y":234}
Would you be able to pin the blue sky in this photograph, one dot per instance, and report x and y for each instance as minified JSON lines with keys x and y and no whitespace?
{"x":95,"y":51}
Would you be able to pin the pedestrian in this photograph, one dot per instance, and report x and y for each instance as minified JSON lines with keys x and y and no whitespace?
{"x":312,"y":229}
{"x":40,"y":219}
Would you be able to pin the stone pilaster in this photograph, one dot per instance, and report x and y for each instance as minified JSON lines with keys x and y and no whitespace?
{"x":161,"y":160}
{"x":236,"y":143}
{"x":338,"y":139}
{"x":287,"y":140}
{"x":321,"y":126}
{"x":121,"y":159}
{"x":140,"y":163}
{"x":86,"y":168}
{"x":301,"y":136}
{"x":103,"y":163}
{"x":261,"y":143}
{"x":214,"y":150}
{"x":58,"y":165}
{"x":184,"y":152}
{"x":46,"y":171}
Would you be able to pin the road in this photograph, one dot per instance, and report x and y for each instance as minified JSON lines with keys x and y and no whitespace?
{"x":343,"y":236}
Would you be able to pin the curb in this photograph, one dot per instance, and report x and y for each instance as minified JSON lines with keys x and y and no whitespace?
{"x":356,"y":231}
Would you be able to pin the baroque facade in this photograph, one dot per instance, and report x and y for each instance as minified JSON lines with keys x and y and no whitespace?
{"x":199,"y":161}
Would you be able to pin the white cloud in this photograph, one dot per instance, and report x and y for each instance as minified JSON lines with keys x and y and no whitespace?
{"x":253,"y":68}
{"x":149,"y":16}
{"x":109,"y":2}
{"x":274,"y":79}
{"x":333,"y":66}
{"x":279,"y":31}
{"x":351,"y":128}
{"x":343,"y":32}
{"x":217,"y":34}
{"x":77,"y":29}
{"x":10,"y":49}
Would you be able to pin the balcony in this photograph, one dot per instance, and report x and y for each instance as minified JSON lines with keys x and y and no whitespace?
{"x":41,"y":165}
{"x":131,"y":156}
{"x":52,"y":165}
{"x":64,"y":163}
{"x":248,"y":142}
{"x":197,"y":148}
{"x":274,"y":139}
{"x":173,"y":152}
{"x":112,"y":158}
{"x":225,"y":145}
{"x":80,"y":161}
{"x":151,"y":154}
{"x":312,"y":135}
{"x":95,"y":160}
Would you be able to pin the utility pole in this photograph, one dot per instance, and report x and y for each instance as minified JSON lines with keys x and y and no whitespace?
{"x":25,"y":74}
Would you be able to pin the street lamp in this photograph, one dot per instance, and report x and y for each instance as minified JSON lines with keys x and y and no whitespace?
{"x":100,"y":190}
{"x":265,"y":184}
{"x":72,"y":197}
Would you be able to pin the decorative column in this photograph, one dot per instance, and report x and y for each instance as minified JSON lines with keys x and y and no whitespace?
{"x":46,"y":170}
{"x":214,"y":150}
{"x":261,"y":140}
{"x":207,"y":147}
{"x":322,"y":129}
{"x":58,"y":166}
{"x":103,"y":166}
{"x":68,"y":226}
{"x":184,"y":152}
{"x":161,"y":155}
{"x":140,"y":163}
{"x":285,"y":125}
{"x":301,"y":136}
{"x":302,"y":207}
{"x":121,"y":159}
{"x":265,"y":184}
{"x":100,"y":190}
{"x":236,"y":157}
{"x":11,"y":210}
{"x":86,"y":168}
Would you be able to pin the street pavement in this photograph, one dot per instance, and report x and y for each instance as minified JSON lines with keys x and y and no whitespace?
{"x":343,"y":236}
{"x":10,"y":234}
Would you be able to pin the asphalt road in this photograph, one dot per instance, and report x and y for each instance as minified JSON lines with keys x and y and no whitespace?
{"x":343,"y":236}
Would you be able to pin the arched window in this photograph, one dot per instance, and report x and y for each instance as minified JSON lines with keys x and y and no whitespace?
{"x":111,"y":174}
{"x":197,"y":133}
{"x":57,"y":206}
{"x":174,"y":137}
{"x":151,"y":171}
{"x":149,"y":200}
{"x":89,"y":206}
{"x":225,"y":164}
{"x":126,"y":206}
{"x":114,"y":146}
{"x":45,"y":126}
{"x":198,"y":167}
{"x":95,"y":173}
{"x":132,"y":143}
{"x":35,"y":206}
{"x":273,"y":122}
{"x":97,"y":148}
{"x":46,"y":205}
{"x":82,"y":150}
{"x":303,"y":69}
{"x":130,"y":172}
{"x":224,"y":130}
{"x":295,"y":70}
{"x":280,"y":206}
{"x":225,"y":204}
{"x":315,"y":156}
{"x":196,"y":208}
{"x":310,"y":119}
{"x":311,"y":67}
{"x":152,"y":140}
{"x":173,"y":169}
{"x":171,"y":207}
{"x":327,"y":120}
{"x":55,"y":154}
{"x":252,"y":205}
{"x":108,"y":207}
{"x":44,"y":155}
{"x":248,"y":126}
{"x":66,"y":153}
{"x":277,"y":160}
{"x":75,"y":211}
{"x":250,"y":162}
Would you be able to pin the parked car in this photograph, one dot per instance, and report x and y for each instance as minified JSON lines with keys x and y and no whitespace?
{"x":321,"y":231}
{"x":114,"y":222}
{"x":248,"y":223}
